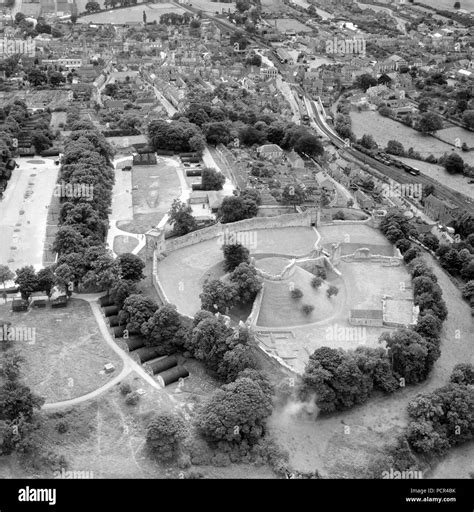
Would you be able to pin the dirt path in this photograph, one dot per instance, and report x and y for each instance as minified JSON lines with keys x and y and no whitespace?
{"x":128,"y":364}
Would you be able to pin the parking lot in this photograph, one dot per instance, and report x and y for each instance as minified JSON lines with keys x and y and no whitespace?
{"x":24,"y":210}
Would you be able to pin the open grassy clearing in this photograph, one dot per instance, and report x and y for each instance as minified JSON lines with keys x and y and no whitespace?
{"x":321,"y":442}
{"x":154,"y":187}
{"x":131,"y":14}
{"x":384,"y":129}
{"x":68,"y":354}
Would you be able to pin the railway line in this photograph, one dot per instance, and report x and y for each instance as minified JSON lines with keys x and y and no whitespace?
{"x":385,"y":172}
{"x":374,"y":167}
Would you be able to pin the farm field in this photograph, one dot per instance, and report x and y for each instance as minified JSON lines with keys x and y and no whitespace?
{"x":68,"y":354}
{"x":457,"y":182}
{"x":131,"y":14}
{"x":284,"y":24}
{"x":384,"y":129}
{"x":212,"y":7}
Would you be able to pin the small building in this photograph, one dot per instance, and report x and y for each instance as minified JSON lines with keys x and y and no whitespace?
{"x":270,"y":151}
{"x":295,"y":160}
{"x":38,"y":300}
{"x":437,"y":209}
{"x":365,"y":201}
{"x":19,"y":305}
{"x":369,"y":317}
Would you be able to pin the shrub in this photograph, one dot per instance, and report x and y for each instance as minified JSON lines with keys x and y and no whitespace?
{"x":463,"y":373}
{"x":296,"y":293}
{"x":316,"y":282}
{"x":321,"y":272}
{"x":334,"y":377}
{"x":62,"y":427}
{"x":132,"y":398}
{"x":332,"y":290}
{"x":165,"y":434}
{"x":125,"y":388}
{"x":307,"y":309}
{"x":236,"y":412}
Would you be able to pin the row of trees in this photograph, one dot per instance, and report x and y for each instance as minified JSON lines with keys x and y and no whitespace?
{"x":83,"y":224}
{"x":80,"y":241}
{"x":222,"y":125}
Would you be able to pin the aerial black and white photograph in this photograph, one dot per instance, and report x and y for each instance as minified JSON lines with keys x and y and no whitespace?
{"x":237,"y":243}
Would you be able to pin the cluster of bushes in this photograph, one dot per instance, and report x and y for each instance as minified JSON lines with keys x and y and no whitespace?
{"x":235,"y":208}
{"x":438,"y":421}
{"x":443,"y":418}
{"x":230,"y":426}
{"x":338,"y":379}
{"x":15,"y":121}
{"x":120,"y":123}
{"x":224,"y":351}
{"x":178,"y":136}
{"x":17,"y":405}
{"x":212,"y":179}
{"x":241,"y":285}
{"x":131,"y":396}
{"x":458,"y":260}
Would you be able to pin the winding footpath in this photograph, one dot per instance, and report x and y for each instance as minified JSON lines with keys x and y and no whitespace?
{"x":129,"y":365}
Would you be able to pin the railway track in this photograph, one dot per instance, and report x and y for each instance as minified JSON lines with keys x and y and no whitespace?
{"x":385,"y":172}
{"x":376,"y":168}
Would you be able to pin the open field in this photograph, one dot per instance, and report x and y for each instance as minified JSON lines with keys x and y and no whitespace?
{"x":105,"y":438}
{"x":68,"y":354}
{"x":212,"y":7}
{"x":279,"y":309}
{"x":284,"y":24}
{"x":319,"y":442}
{"x":154,"y":189}
{"x":124,"y":244}
{"x":184,"y":270}
{"x":456,"y":182}
{"x":384,"y":129}
{"x":131,"y":14}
